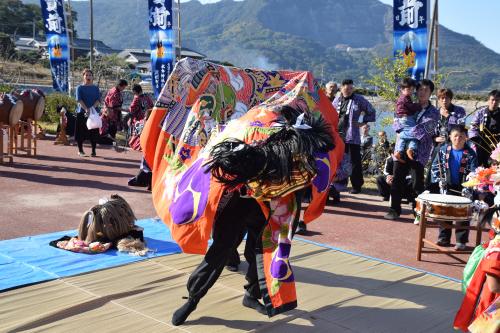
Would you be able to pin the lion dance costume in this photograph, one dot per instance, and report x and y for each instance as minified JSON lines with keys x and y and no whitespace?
{"x":231,"y":149}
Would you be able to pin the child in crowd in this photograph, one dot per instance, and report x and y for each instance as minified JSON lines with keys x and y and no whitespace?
{"x":450,"y":167}
{"x":406,"y":111}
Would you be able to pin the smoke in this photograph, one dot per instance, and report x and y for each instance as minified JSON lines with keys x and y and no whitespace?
{"x":262,"y":62}
{"x":244,"y":58}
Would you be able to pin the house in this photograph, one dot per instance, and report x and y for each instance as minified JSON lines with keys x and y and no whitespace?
{"x":81,"y":47}
{"x":29,"y":44}
{"x":140,"y":59}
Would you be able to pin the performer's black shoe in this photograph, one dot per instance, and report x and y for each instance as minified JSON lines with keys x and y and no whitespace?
{"x":181,"y":314}
{"x":355,"y":191}
{"x":142,"y":179}
{"x":392,"y":215}
{"x":301,"y":228}
{"x":253,"y":303}
{"x":232,"y":267}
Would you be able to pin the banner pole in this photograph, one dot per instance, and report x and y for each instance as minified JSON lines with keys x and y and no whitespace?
{"x":91,"y":34}
{"x":429,"y":42}
{"x":71,"y":34}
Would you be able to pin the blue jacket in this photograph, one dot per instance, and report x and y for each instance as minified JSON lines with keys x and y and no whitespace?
{"x":440,"y":164}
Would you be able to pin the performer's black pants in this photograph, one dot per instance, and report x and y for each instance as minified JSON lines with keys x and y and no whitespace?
{"x":233,"y":216}
{"x":401,"y":170}
{"x":357,"y":170}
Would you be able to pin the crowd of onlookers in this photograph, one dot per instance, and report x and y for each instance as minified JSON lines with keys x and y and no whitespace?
{"x":112,"y":118}
{"x":432,"y":151}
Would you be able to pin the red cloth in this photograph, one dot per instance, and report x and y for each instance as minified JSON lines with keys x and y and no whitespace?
{"x":113,"y":102}
{"x":140,"y":104}
{"x":478,"y":295}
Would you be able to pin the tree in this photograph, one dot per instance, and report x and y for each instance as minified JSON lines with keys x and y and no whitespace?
{"x":72,"y":18}
{"x":390,"y":72}
{"x":7,"y":46}
{"x":17,"y":18}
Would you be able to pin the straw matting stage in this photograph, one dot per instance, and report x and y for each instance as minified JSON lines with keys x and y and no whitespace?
{"x":337,"y":292}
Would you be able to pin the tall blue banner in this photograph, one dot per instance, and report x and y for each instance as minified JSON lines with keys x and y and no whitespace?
{"x":410,"y":34}
{"x":161,"y":38}
{"x":57,"y":42}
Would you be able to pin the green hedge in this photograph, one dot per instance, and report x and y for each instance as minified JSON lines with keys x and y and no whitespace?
{"x":52,"y":101}
{"x":5,"y":88}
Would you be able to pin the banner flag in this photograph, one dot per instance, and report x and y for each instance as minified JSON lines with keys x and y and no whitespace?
{"x":161,"y":39}
{"x":410,"y":34}
{"x":57,"y":42}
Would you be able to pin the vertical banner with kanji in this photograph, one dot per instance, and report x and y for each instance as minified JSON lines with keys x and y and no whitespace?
{"x":57,"y":42}
{"x":410,"y":34}
{"x":161,"y":38}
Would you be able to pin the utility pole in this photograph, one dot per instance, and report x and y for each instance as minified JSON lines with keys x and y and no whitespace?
{"x":71,"y":44}
{"x":91,"y":34}
{"x":436,"y":46}
{"x":179,"y":29}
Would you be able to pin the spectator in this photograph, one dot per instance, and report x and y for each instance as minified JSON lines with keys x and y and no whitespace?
{"x":354,"y":110}
{"x":453,"y":162}
{"x":485,"y":128}
{"x":331,"y":90}
{"x":140,"y":109}
{"x":113,"y":102}
{"x":366,"y":147}
{"x":449,"y":115}
{"x":406,"y":112}
{"x":427,"y":120}
{"x":87,"y":96}
{"x":384,"y":181}
{"x":380,"y":153}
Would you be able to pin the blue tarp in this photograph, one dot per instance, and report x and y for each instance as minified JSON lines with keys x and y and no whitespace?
{"x":29,"y":260}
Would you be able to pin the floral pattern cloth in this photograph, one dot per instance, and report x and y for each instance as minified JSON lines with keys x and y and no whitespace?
{"x":478,"y":312}
{"x":203,"y":104}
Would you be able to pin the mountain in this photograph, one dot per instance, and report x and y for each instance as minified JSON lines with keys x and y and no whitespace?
{"x":292,"y":34}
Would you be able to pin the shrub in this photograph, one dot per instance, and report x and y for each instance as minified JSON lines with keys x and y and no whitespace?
{"x":5,"y":88}
{"x":52,"y":101}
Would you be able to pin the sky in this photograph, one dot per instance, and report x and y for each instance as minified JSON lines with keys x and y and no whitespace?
{"x":478,"y":18}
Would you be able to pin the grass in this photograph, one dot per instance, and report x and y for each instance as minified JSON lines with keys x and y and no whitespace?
{"x":48,"y":127}
{"x":370,"y":185}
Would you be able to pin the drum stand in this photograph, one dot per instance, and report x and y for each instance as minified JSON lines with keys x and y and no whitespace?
{"x":6,"y":153}
{"x":28,"y":147}
{"x":434,"y":248}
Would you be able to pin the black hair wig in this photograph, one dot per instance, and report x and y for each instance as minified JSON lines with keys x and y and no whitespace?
{"x":234,"y":162}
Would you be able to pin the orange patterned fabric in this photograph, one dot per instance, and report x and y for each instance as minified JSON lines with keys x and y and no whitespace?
{"x":203,"y":104}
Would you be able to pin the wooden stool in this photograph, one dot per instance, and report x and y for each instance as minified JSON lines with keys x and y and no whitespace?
{"x":27,"y":138}
{"x":5,"y":153}
{"x":425,"y":224}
